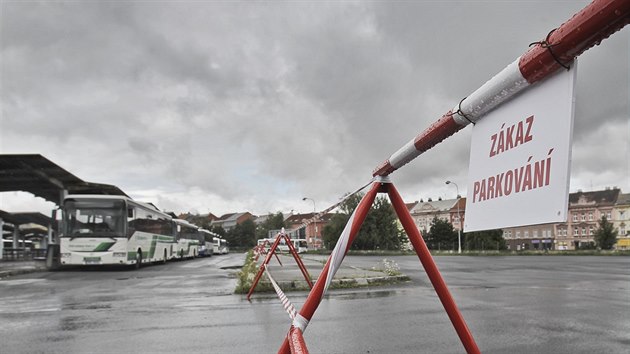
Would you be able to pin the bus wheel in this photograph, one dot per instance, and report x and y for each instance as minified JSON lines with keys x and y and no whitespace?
{"x":138,"y":259}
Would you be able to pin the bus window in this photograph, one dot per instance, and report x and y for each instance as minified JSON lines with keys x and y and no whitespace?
{"x":89,"y":219}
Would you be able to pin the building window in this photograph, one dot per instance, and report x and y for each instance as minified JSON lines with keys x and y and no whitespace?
{"x":590,"y":230}
{"x":576,"y":231}
{"x":526,"y":234}
{"x":575,"y":216}
{"x":608,"y":216}
{"x":583,"y":231}
{"x":518,"y":234}
{"x":583,"y":217}
{"x":535,"y":233}
{"x":590,"y":216}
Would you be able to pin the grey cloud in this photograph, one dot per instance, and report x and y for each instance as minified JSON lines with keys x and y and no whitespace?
{"x":253,"y":103}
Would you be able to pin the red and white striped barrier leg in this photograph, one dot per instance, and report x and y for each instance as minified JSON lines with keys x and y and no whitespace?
{"x":299,"y":262}
{"x":272,"y":251}
{"x":332,"y":265}
{"x":296,"y":341}
{"x":432,"y":271}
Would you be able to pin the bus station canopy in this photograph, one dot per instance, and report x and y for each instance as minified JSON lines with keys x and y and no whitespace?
{"x":36,"y":174}
{"x":25,"y":218}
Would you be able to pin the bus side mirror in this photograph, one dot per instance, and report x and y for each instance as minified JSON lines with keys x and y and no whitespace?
{"x":130,"y":213}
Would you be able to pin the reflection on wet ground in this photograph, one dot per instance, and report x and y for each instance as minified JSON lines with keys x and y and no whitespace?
{"x":364,"y":295}
{"x":516,"y":305}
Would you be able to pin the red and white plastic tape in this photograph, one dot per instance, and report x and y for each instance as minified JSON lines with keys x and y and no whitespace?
{"x":288,"y":306}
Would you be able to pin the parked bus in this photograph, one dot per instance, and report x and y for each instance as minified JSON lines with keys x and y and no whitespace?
{"x":225,"y":246}
{"x":221,"y":246}
{"x":114,"y":230}
{"x":207,"y":243}
{"x":188,"y":237}
{"x":300,"y":244}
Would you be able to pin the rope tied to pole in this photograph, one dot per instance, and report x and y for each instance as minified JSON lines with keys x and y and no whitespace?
{"x":461,"y":113}
{"x":547,"y":45}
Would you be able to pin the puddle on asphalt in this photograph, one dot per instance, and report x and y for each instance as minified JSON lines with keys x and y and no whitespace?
{"x":73,"y":323}
{"x":231,"y":267}
{"x":363,"y":295}
{"x":21,"y":281}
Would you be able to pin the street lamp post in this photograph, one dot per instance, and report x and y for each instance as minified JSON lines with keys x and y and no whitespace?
{"x":459,"y":221}
{"x":314,"y":213}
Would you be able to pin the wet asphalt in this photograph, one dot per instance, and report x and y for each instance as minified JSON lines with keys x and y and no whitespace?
{"x":529,"y":304}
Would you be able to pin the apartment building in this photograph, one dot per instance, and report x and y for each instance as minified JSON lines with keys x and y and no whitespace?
{"x":585,"y":210}
{"x":424,"y":212}
{"x":534,"y":237}
{"x":313,"y":231}
{"x":621,"y":221}
{"x":458,"y":213}
{"x":229,"y":221}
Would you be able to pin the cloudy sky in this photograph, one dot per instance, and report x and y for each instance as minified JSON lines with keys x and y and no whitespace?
{"x":225,"y":106}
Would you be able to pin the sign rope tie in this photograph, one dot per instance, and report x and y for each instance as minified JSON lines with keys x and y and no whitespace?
{"x":461,"y":113}
{"x":545,"y":44}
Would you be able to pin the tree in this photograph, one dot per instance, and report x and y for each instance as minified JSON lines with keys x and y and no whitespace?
{"x":273,"y":222}
{"x":485,"y":240}
{"x":332,"y":230}
{"x":219,"y":230}
{"x":379,"y":230}
{"x":242,"y":235}
{"x":441,"y":235}
{"x":605,"y":235}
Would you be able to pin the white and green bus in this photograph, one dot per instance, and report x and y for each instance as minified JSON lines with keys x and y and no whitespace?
{"x":221,"y":246}
{"x":188,"y":237}
{"x":207,"y":245}
{"x":114,"y":230}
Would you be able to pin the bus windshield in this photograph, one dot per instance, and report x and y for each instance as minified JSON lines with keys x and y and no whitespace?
{"x":102,"y":218}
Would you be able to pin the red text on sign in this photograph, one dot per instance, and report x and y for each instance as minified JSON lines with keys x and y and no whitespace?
{"x":506,"y":139}
{"x":517,"y":180}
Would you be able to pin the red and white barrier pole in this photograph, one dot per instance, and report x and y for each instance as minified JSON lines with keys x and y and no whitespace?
{"x":587,"y":28}
{"x":432,"y":271}
{"x":332,"y":265}
{"x":272,"y":251}
{"x":296,"y":341}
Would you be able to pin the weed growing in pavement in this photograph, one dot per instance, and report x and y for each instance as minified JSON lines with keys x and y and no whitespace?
{"x":245,"y":277}
{"x":389,"y":267}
